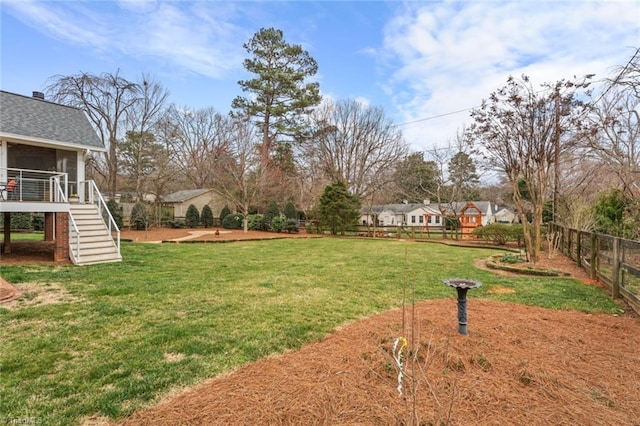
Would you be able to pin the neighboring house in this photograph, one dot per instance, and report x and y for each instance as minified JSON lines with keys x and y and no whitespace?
{"x":470,"y":213}
{"x":405,"y":214}
{"x":181,"y":200}
{"x":505,"y":215}
{"x":43,"y":147}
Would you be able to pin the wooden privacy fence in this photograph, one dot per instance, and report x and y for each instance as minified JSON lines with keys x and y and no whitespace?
{"x":612,"y":260}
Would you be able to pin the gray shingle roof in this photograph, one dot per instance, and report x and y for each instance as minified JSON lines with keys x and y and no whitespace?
{"x":36,"y":118}
{"x":184,"y":195}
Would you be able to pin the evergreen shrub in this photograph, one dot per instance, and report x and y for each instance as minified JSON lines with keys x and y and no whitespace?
{"x":255,"y":222}
{"x":291,"y":225}
{"x":207,"y":216}
{"x":232,"y":221}
{"x":226,"y":211}
{"x":277,"y":223}
{"x":192,"y":218}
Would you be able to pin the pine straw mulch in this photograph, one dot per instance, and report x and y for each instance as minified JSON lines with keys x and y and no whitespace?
{"x":518,"y":365}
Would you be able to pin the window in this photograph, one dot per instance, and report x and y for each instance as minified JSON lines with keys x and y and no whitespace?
{"x":437,"y":220}
{"x":421,"y":219}
{"x":413,"y":219}
{"x":429,"y":219}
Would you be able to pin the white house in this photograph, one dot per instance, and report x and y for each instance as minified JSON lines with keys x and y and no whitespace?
{"x":504,"y":215}
{"x":470,"y":214}
{"x":43,"y":149}
{"x":405,"y":214}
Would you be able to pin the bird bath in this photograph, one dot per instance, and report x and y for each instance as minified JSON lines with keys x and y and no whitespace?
{"x":462,"y":285}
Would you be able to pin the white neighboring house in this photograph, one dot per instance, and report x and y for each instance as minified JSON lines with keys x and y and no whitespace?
{"x":424,"y":215}
{"x":504,"y":215}
{"x":471,"y":214}
{"x":43,"y":150}
{"x":405,"y":214}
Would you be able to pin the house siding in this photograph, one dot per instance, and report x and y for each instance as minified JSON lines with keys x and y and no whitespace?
{"x":208,"y":197}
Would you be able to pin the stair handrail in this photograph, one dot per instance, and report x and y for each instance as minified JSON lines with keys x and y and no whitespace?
{"x":58,"y":191}
{"x":77,"y":231}
{"x":102,"y":209}
{"x":60,"y":195}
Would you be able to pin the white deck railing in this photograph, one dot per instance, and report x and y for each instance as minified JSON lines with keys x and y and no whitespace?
{"x":33,"y":185}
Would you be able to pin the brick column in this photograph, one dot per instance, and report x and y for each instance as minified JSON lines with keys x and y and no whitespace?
{"x":7,"y":233}
{"x":48,"y":226}
{"x":61,"y":244}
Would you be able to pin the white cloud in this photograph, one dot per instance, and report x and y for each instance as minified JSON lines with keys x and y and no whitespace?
{"x":447,"y":56}
{"x":195,"y":37}
{"x":61,"y":23}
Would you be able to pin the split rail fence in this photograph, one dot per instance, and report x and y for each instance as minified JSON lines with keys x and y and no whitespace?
{"x":612,"y":260}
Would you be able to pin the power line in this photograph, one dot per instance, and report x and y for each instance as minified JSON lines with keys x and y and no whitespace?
{"x":452,"y":112}
{"x":437,"y":116}
{"x":613,"y":83}
{"x":620,"y":74}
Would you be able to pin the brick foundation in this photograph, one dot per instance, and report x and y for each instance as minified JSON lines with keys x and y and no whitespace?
{"x":61,"y":242}
{"x":48,"y":226}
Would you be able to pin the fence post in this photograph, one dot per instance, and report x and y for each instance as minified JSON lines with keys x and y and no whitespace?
{"x":615,"y":279}
{"x":594,"y":255}
{"x":579,"y":248}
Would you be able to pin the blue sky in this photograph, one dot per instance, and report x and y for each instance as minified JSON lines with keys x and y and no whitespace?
{"x":416,"y":59}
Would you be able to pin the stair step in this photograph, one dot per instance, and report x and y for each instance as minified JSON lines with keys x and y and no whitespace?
{"x":97,"y":251}
{"x":106,"y":244}
{"x":96,"y":238}
{"x":89,"y":219}
{"x":90,"y":260}
{"x":96,"y":242}
{"x":88,"y":229}
{"x":89,"y":234}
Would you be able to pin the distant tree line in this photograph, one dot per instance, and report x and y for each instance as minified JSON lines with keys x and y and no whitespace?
{"x":564,"y":147}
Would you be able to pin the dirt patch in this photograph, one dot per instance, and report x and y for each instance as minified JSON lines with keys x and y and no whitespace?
{"x":36,"y":294}
{"x":29,"y":253}
{"x":518,"y":365}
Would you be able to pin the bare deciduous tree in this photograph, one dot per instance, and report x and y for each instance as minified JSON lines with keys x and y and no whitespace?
{"x":196,"y":140}
{"x":139,"y":147}
{"x":355,"y":144}
{"x":520,"y":132}
{"x":614,"y":139}
{"x":239,"y":173}
{"x":106,"y":98}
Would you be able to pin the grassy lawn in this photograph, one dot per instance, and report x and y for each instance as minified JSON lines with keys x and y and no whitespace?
{"x":122,"y":335}
{"x":24,"y":236}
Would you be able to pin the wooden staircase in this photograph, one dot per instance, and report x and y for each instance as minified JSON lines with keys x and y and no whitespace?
{"x":96,"y":243}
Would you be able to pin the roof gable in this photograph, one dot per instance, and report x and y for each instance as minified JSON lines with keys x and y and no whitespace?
{"x":37,"y":119}
{"x":184,"y":195}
